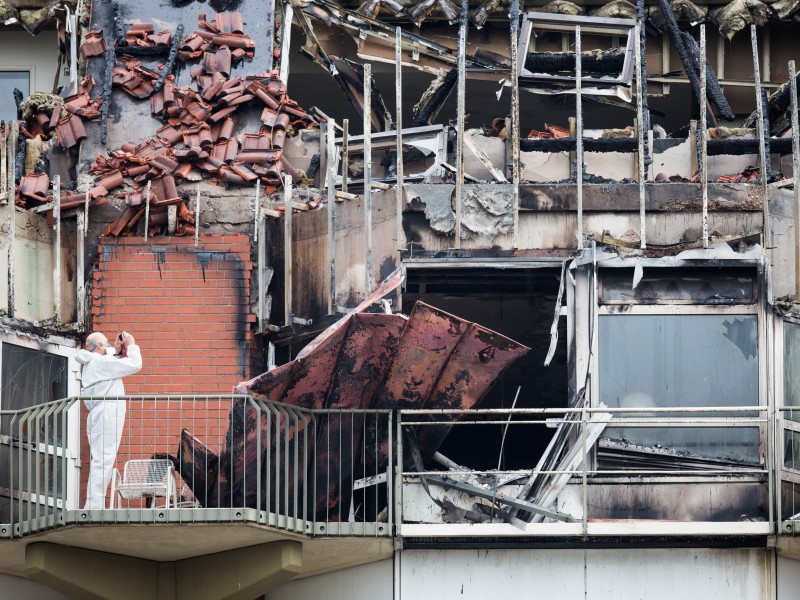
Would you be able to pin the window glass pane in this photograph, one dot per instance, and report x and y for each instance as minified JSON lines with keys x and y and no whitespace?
{"x":791,"y":449}
{"x":682,"y":361}
{"x":791,"y":369}
{"x":682,"y":286}
{"x":8,"y":81}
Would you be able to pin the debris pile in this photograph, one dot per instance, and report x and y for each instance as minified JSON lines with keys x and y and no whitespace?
{"x":196,"y":138}
{"x":379,"y":361}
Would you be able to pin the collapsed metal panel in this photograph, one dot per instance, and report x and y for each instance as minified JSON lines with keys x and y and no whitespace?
{"x":377,"y":361}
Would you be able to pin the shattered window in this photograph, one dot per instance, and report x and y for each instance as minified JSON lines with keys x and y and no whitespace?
{"x":678,"y":286}
{"x":682,"y":361}
{"x":791,"y":369}
{"x":9,"y":80}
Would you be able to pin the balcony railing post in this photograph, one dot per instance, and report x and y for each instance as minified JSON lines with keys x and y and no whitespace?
{"x":389,"y":469}
{"x":398,"y":481}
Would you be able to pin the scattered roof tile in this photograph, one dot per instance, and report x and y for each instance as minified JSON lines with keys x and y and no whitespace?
{"x":93,"y":44}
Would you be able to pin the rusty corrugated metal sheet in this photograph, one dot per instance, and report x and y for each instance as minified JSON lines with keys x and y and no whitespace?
{"x":478,"y":361}
{"x":367,"y":353}
{"x":430,"y":359}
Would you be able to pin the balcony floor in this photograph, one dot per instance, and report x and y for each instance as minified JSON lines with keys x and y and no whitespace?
{"x":171,"y":541}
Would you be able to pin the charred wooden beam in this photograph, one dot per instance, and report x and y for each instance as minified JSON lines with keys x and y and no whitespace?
{"x":749,"y":146}
{"x":733,"y":147}
{"x":683,"y":53}
{"x":432,"y":101}
{"x":592,"y":62}
{"x":568,"y":144}
{"x":777,"y":104}
{"x":169,"y":67}
{"x":713,"y":89}
{"x":108,"y":77}
{"x":644,"y":126}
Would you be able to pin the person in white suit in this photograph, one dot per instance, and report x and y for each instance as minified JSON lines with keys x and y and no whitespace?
{"x":104,"y":366}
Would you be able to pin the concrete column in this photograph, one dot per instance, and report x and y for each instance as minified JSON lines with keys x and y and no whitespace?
{"x":240,"y":574}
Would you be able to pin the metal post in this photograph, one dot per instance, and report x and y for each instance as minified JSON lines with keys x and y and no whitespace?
{"x":641,"y":131}
{"x":147,"y":211}
{"x":460,"y":116}
{"x":80,"y":289}
{"x":86,"y":214}
{"x":796,"y":175}
{"x":703,"y":134}
{"x":579,"y":134}
{"x":515,"y":175}
{"x":57,"y":250}
{"x":368,"y":172}
{"x":256,"y":209}
{"x":331,"y":185}
{"x":398,"y":83}
{"x":345,"y":152}
{"x":72,"y":25}
{"x":762,"y":149}
{"x":197,"y":212}
{"x":287,"y":250}
{"x":11,"y":150}
{"x":4,"y":142}
{"x":262,"y":258}
{"x":288,"y":15}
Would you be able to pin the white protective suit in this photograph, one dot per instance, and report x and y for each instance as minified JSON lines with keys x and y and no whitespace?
{"x":102,"y":377}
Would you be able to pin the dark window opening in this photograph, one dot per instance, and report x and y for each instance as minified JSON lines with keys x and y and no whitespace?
{"x":518,"y":303}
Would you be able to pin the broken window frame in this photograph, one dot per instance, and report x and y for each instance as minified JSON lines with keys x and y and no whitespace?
{"x":544,"y":83}
{"x":65,"y":348}
{"x":590,"y":295}
{"x":429,"y":137}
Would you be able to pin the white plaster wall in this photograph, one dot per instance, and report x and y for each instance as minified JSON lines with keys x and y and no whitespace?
{"x":21,"y":49}
{"x":635,"y":574}
{"x":14,"y":588}
{"x":366,"y":582}
{"x":625,"y":574}
{"x":788,"y":577}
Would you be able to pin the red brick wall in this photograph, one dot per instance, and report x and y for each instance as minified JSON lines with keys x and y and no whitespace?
{"x":189,"y":310}
{"x":187,"y":307}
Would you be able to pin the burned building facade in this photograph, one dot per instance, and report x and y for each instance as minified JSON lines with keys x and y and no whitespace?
{"x":432,"y":297}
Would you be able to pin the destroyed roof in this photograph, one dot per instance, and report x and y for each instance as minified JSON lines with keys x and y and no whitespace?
{"x":729,"y":18}
{"x":33,"y":15}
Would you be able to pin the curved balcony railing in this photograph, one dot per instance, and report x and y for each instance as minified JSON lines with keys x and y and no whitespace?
{"x":237,"y":458}
{"x":362,"y":472}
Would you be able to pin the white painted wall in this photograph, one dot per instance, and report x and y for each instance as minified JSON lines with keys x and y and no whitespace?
{"x":624,"y":574}
{"x":21,"y":49}
{"x":14,"y":588}
{"x":366,"y":582}
{"x":788,"y":577}
{"x":635,"y":574}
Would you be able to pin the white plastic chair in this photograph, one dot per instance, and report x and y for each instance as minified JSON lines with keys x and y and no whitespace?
{"x":154,"y":478}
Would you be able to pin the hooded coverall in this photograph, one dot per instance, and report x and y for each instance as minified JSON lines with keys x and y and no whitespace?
{"x":102,"y":377}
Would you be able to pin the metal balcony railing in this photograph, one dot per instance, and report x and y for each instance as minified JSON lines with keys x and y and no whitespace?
{"x":377,"y":472}
{"x":646,"y":471}
{"x":231,"y":458}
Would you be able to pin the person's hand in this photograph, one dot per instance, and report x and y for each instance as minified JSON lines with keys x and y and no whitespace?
{"x":127,"y":339}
